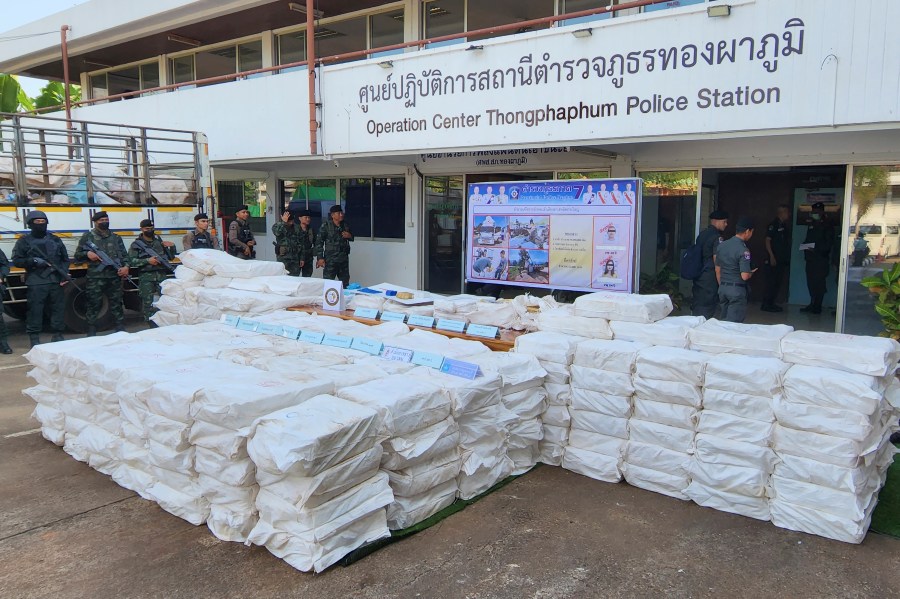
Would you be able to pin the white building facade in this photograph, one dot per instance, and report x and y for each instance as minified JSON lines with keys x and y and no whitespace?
{"x":742,"y":105}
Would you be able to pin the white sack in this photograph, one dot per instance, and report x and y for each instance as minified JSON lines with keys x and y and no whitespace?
{"x":823,"y":448}
{"x":624,"y":306}
{"x":601,"y":381}
{"x":563,"y":320}
{"x":668,"y":391}
{"x":517,"y":371}
{"x":823,"y":524}
{"x":751,"y":482}
{"x":237,"y":472}
{"x":826,"y":421}
{"x":600,"y":424}
{"x":407,"y":511}
{"x":722,"y":424}
{"x":313,"y":436}
{"x":656,"y":481}
{"x":612,"y":356}
{"x":548,"y":347}
{"x":406,"y":404}
{"x":248,"y":269}
{"x":597,"y":443}
{"x":717,"y":336}
{"x":465,"y":395}
{"x":669,"y":437}
{"x":419,"y":478}
{"x":671,"y":331}
{"x":751,"y":507}
{"x":592,"y":401}
{"x":671,"y":364}
{"x":718,"y":450}
{"x":654,"y":457}
{"x":556,"y":416}
{"x":46,"y":355}
{"x":822,"y":499}
{"x":235,"y":403}
{"x":193,"y":508}
{"x":738,"y":404}
{"x":526,"y":404}
{"x":666,"y":413}
{"x":874,"y":356}
{"x":420,"y":446}
{"x":593,"y":465}
{"x":185,"y":273}
{"x":525,"y":433}
{"x":485,"y":477}
{"x":834,"y":389}
{"x":752,"y":375}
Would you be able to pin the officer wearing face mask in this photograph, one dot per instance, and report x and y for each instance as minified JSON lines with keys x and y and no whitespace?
{"x":152,"y":272}
{"x":103,"y":280}
{"x":46,"y":261}
{"x":820,"y":234}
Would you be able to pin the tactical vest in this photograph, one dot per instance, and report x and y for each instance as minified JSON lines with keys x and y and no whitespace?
{"x":244,"y":234}
{"x":202,"y":241}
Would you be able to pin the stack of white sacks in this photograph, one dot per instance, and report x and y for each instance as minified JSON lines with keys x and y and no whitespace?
{"x":834,"y":422}
{"x":210,"y":283}
{"x":733,"y":459}
{"x":321,"y":494}
{"x":667,"y":401}
{"x":554,"y":352}
{"x":600,"y":406}
{"x":523,"y":395}
{"x":421,"y":444}
{"x":483,"y":422}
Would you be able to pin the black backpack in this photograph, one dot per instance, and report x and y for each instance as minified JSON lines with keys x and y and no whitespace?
{"x":692,"y":262}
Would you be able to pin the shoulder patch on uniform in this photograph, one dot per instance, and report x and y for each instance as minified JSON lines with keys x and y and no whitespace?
{"x":746,"y":255}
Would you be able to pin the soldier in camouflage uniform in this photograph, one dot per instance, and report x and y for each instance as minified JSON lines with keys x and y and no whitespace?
{"x":152,"y":271}
{"x":287,"y":243}
{"x":46,"y":262}
{"x":333,"y":247}
{"x":307,"y":243}
{"x":103,"y":280}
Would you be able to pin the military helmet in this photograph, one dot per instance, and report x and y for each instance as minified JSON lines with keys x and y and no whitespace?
{"x":35,"y":214}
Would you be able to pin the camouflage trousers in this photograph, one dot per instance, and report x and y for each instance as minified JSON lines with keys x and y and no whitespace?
{"x":147,"y":288}
{"x":337,"y":270}
{"x":94,"y":291}
{"x":291,"y":263}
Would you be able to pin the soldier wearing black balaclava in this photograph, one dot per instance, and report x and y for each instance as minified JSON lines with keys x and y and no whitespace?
{"x":46,"y":262}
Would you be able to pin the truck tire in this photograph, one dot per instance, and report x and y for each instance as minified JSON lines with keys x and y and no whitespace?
{"x":76,"y":304}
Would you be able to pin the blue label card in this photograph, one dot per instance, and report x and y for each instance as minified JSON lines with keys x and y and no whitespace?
{"x":311,"y":337}
{"x":483,"y":330}
{"x":337,"y":341}
{"x":425,"y":359}
{"x":230,"y":319}
{"x":457,"y":326}
{"x":370,"y":346}
{"x":397,"y":354}
{"x":420,"y":321}
{"x":247,"y":325}
{"x":395,"y":316}
{"x":290,"y":332}
{"x":366,"y":313}
{"x":269,"y":329}
{"x":466,"y":370}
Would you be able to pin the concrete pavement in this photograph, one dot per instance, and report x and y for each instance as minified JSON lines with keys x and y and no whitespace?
{"x":68,"y":531}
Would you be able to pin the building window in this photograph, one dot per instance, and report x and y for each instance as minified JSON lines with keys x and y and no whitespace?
{"x":480,"y":15}
{"x":340,"y":37}
{"x":443,"y":17}
{"x":291,"y":48}
{"x":216,"y":62}
{"x":671,"y":4}
{"x":234,"y":194}
{"x":567,"y":6}
{"x":124,"y":80}
{"x":315,"y":195}
{"x":375,"y":208}
{"x":386,"y":29}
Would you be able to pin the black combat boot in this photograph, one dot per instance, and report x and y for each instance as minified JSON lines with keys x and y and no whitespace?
{"x":120,"y":328}
{"x":34,"y":339}
{"x":5,"y":348}
{"x":57,"y":337}
{"x":90,"y":331}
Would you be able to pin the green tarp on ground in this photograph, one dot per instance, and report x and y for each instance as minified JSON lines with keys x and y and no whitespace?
{"x":886,"y":519}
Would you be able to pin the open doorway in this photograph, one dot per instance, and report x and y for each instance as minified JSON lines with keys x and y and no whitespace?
{"x":757,"y":194}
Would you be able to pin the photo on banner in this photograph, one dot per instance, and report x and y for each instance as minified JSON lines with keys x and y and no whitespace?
{"x":576,"y":235}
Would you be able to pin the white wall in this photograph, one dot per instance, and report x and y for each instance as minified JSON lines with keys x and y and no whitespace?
{"x":258,"y":118}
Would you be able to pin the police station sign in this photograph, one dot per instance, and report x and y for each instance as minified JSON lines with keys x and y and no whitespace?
{"x":767,"y":66}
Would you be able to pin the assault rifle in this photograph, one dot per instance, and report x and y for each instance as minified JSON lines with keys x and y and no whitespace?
{"x":43,"y":261}
{"x":151,"y":253}
{"x":106,"y":260}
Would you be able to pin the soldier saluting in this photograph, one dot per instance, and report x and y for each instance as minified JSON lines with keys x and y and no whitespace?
{"x":333,"y":247}
{"x":287,"y":243}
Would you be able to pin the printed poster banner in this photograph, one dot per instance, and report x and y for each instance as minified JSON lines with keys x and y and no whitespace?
{"x":576,"y":235}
